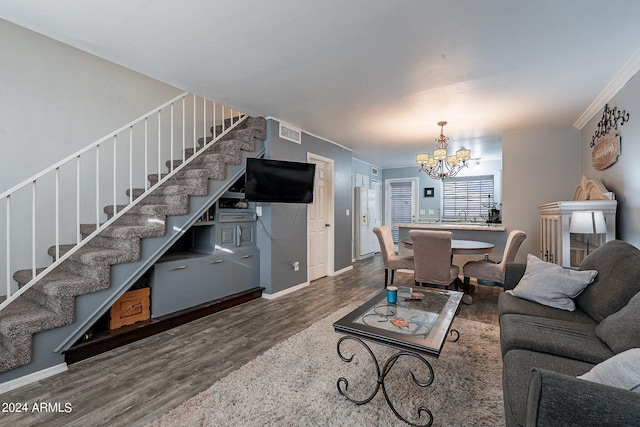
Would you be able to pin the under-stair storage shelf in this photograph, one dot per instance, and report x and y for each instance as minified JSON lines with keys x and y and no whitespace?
{"x":217,"y":258}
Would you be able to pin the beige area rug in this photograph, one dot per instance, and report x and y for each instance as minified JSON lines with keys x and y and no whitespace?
{"x":294,"y":384}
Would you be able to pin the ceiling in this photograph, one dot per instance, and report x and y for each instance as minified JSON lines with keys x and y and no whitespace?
{"x":372,"y":75}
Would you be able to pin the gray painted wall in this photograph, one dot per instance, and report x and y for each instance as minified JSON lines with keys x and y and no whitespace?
{"x":54,"y":101}
{"x":282,"y":229}
{"x":57,"y":99}
{"x":623,"y":177}
{"x":538,"y":167}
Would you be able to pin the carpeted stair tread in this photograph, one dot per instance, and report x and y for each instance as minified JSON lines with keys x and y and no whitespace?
{"x":139,"y":219}
{"x":116,"y":231}
{"x":59,"y":282}
{"x":205,"y":157}
{"x":230,"y":150}
{"x":150,"y":209}
{"x":166,"y":190}
{"x":184,"y":174}
{"x":193,"y":186}
{"x":95,"y":255}
{"x":152,"y":229}
{"x":18,"y":322}
{"x":24,"y":316}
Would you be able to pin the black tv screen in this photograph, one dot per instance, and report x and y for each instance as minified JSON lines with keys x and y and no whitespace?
{"x":279,"y":181}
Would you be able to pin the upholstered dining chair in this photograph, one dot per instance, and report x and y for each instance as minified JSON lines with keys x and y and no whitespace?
{"x":392,"y":261}
{"x":432,"y":258}
{"x":493,"y":273}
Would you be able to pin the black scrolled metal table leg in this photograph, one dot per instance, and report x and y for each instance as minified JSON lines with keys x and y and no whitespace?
{"x":455,"y":335}
{"x":422,"y":410}
{"x":345,"y":382}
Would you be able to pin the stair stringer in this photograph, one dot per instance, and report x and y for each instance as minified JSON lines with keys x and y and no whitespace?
{"x":48,"y":346}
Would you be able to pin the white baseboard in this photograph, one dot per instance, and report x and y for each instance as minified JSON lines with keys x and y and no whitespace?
{"x":33,"y":377}
{"x":343,"y":270}
{"x":302,"y":285}
{"x":286,"y":291}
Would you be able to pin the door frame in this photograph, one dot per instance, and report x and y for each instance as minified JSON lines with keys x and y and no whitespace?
{"x":387,"y":194}
{"x":329,"y":188}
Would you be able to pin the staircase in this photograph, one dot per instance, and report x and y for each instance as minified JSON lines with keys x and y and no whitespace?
{"x":49,"y":317}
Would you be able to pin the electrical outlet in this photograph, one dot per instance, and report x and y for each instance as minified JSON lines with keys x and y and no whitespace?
{"x":296,"y":265}
{"x":431,"y":212}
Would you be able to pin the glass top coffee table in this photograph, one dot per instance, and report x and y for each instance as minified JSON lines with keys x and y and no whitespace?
{"x":418,"y":323}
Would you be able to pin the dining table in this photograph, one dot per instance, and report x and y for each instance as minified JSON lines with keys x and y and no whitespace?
{"x":463,"y":247}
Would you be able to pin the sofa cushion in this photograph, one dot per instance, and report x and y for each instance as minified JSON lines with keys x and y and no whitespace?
{"x":508,"y":304}
{"x":621,"y":330}
{"x":557,"y":399}
{"x":516,"y":372}
{"x":550,"y":284}
{"x":618,"y":266}
{"x":621,"y":370}
{"x":558,"y":337}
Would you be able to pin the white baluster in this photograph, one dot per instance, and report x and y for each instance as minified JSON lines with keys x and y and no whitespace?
{"x":8,"y":236}
{"x":131,"y":165}
{"x":33,"y":229}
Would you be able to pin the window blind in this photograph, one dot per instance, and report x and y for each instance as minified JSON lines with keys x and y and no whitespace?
{"x":401,"y":205}
{"x":467,"y":195}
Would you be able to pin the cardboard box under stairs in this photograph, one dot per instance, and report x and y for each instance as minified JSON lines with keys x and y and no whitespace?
{"x":131,"y":307}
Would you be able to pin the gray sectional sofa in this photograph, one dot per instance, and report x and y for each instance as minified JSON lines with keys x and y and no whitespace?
{"x":544,"y":348}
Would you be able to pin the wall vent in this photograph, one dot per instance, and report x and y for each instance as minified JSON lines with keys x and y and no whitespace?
{"x":374,"y":171}
{"x":290,"y":133}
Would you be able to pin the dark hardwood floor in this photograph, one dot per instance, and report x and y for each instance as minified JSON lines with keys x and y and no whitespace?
{"x":139,"y":382}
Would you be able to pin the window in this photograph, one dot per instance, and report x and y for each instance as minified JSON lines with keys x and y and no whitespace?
{"x":467,"y":197}
{"x":400,"y":203}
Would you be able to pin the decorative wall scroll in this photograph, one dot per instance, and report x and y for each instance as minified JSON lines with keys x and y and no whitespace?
{"x":606,"y":140}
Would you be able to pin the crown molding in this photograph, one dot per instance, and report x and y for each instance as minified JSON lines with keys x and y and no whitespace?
{"x":619,"y":80}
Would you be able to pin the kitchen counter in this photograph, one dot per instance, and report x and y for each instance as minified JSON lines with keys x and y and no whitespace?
{"x":475,"y":226}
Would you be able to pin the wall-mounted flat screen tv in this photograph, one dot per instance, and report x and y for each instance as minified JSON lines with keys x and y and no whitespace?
{"x":279,"y":181}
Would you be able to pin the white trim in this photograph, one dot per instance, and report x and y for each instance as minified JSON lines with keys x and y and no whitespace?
{"x":615,"y":85}
{"x":313,"y":135}
{"x":387,"y":194}
{"x":343,"y":270}
{"x":330,"y":188}
{"x":33,"y":377}
{"x":286,"y":291}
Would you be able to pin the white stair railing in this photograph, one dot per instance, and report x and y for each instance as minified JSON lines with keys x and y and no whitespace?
{"x":50,"y":206}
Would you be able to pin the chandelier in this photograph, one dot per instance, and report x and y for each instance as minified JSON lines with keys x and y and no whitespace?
{"x":442,"y":165}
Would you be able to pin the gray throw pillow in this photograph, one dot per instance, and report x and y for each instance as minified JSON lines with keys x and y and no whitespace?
{"x":552,"y":285}
{"x":621,"y":371}
{"x":621,"y":330}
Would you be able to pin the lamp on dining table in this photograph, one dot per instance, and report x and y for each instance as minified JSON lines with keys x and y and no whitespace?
{"x":587,"y":223}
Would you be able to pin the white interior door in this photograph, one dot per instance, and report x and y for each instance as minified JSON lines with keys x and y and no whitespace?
{"x":319,"y":221}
